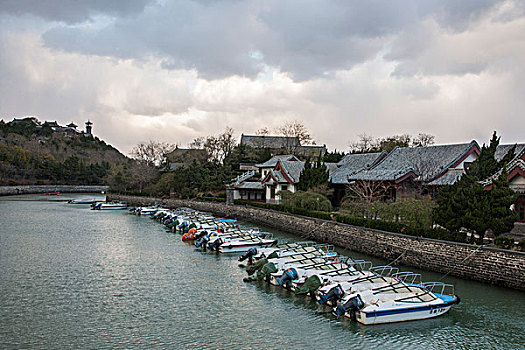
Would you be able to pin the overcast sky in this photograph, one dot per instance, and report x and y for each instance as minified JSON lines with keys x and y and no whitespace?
{"x":175,"y":70}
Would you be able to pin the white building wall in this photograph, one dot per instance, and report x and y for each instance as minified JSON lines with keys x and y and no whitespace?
{"x":471,"y":157}
{"x":291,"y":188}
{"x":518,"y":180}
{"x":236,"y":194}
{"x":264,"y":172}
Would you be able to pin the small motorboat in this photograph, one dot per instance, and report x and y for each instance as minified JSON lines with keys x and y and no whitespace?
{"x":82,"y":201}
{"x":109,"y":206}
{"x":51,"y":193}
{"x":243,"y":245}
{"x":144,"y":210}
{"x":398,"y":302}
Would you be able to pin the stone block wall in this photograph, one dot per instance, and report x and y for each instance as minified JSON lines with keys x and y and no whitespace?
{"x":489,"y":265}
{"x":29,"y":189}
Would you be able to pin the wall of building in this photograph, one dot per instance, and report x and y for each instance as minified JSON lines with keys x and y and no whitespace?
{"x":495,"y":266}
{"x":518,"y":181}
{"x":470,"y":158}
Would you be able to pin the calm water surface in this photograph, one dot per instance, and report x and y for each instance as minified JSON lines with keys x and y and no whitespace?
{"x":72,"y":278}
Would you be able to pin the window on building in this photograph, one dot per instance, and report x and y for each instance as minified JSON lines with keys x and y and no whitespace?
{"x":466,"y":165}
{"x":284,"y":187}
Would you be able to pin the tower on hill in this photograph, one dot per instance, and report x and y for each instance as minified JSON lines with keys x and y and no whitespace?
{"x":89,"y":127}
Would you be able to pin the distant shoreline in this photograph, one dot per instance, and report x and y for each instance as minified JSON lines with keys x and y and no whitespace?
{"x":37,"y":189}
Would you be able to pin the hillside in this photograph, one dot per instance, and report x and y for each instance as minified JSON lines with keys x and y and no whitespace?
{"x":36,"y":153}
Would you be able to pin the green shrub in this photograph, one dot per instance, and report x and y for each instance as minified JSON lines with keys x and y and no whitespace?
{"x":521,"y":245}
{"x":504,"y":242}
{"x":305,"y":200}
{"x":388,"y":226}
{"x":411,"y":212}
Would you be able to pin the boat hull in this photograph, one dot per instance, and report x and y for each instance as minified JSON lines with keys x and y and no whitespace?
{"x":107,"y":206}
{"x":82,"y":201}
{"x":402,"y":314}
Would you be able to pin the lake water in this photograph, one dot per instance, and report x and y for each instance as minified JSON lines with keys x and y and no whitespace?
{"x":72,"y":278}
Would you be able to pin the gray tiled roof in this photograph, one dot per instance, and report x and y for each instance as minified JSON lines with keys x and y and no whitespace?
{"x":273,"y":161}
{"x":250,"y":186}
{"x":518,"y":163}
{"x":515,"y":163}
{"x":292,"y":169}
{"x":425,"y":162}
{"x":351,"y":164}
{"x":269,"y":141}
{"x":314,"y":147}
{"x":278,"y":176}
{"x":502,"y":150}
{"x":449,"y":178}
{"x":331,"y":167}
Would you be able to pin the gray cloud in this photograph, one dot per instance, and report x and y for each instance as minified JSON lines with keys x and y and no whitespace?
{"x":306,"y":39}
{"x":72,"y":11}
{"x":175,"y":70}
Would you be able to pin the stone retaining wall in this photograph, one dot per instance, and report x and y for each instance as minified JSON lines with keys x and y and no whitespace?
{"x":29,"y":189}
{"x":489,"y":265}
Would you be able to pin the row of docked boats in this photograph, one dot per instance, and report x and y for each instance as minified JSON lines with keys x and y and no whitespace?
{"x":352,"y":288}
{"x":208,"y":232}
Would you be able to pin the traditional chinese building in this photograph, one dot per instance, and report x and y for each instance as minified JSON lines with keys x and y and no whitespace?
{"x":283,"y":145}
{"x":516,"y":170}
{"x":412,"y":171}
{"x":349,"y":165}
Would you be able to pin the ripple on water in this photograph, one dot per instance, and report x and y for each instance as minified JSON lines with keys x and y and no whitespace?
{"x":74,"y":278}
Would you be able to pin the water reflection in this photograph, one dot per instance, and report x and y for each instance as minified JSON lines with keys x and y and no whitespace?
{"x":75,"y":278}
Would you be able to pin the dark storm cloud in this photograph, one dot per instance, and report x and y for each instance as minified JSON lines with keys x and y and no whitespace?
{"x":213,"y":39}
{"x":72,"y":11}
{"x":375,"y":67}
{"x":306,"y":39}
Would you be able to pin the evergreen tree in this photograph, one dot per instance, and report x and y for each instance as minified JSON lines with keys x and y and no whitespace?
{"x":486,"y":165}
{"x":333,"y":157}
{"x":467,"y":204}
{"x":501,"y":217}
{"x":305,"y":178}
{"x":508,"y":157}
{"x":313,"y":176}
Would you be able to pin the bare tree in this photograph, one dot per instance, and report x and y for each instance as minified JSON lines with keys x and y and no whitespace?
{"x":367,"y":191}
{"x":365,"y":144}
{"x":422,"y":140}
{"x":197,"y":143}
{"x":152,"y":153}
{"x":142,"y":174}
{"x":263,"y":132}
{"x":391,"y":142}
{"x":221,"y":146}
{"x":426,"y":169}
{"x":296,"y":129}
{"x":363,"y":196}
